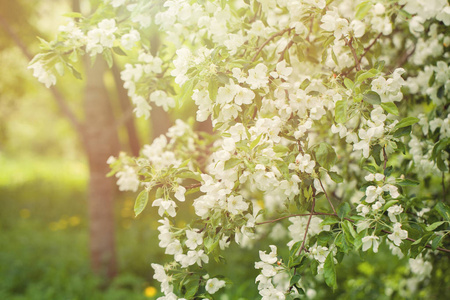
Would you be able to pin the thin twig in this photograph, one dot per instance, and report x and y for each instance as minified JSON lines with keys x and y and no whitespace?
{"x":443,"y":185}
{"x":307,"y":225}
{"x":289,"y":45}
{"x":295,"y":215}
{"x":385,"y":158}
{"x":328,"y":198}
{"x":355,"y":57}
{"x":335,"y":215}
{"x":426,"y":246}
{"x":193,"y":186}
{"x":279,"y":33}
{"x":366,"y":50}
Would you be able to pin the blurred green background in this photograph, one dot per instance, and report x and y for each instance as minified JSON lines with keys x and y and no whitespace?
{"x":44,"y":226}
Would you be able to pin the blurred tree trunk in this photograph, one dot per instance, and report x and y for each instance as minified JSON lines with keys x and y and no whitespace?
{"x":159,"y":121}
{"x":100,"y":140}
{"x":125,"y":105}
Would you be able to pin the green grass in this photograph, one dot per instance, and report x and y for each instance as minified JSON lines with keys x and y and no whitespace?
{"x":44,"y":236}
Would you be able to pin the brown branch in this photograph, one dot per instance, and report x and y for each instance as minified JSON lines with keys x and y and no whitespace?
{"x":426,"y":246}
{"x":289,"y":45}
{"x":193,"y":186}
{"x":279,"y":33}
{"x":443,"y":185}
{"x":355,"y":57}
{"x":404,"y":58}
{"x":385,"y":158}
{"x":59,"y":98}
{"x":328,"y":198}
{"x":335,"y":215}
{"x":366,"y":50}
{"x":290,"y":216}
{"x":307,"y":225}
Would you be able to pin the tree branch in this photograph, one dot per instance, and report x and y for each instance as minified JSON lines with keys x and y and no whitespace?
{"x":355,"y":57}
{"x":328,"y":198}
{"x":336,"y":216}
{"x":385,"y":158}
{"x":279,"y":33}
{"x":307,"y":225}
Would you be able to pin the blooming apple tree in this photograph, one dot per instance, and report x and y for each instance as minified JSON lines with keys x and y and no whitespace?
{"x":331,"y":128}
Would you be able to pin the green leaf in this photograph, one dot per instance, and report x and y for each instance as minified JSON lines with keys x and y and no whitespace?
{"x":340,"y":111}
{"x":305,"y":84}
{"x":440,"y":164}
{"x":443,"y":210}
{"x":280,"y":149}
{"x":119,"y":51}
{"x":376,"y":150}
{"x":107,"y":55}
{"x":439,"y":146}
{"x":213,"y":87}
{"x":333,"y":56}
{"x":73,"y":15}
{"x":329,"y":221}
{"x":436,"y":241}
{"x":141,"y":202}
{"x":372,"y":98}
{"x":231,"y":163}
{"x":432,"y":79}
{"x":342,"y":243}
{"x":407,"y":182}
{"x":440,"y":92}
{"x":191,"y":288}
{"x":336,"y":177}
{"x":255,"y":142}
{"x":294,"y":279}
{"x":389,"y":204}
{"x":211,"y":243}
{"x":434,"y":226}
{"x":406,"y":122}
{"x":365,"y":75}
{"x":362,"y":9}
{"x":370,"y":168}
{"x":349,"y":231}
{"x":73,"y":56}
{"x":186,"y":91}
{"x":343,"y":210}
{"x":325,"y":155}
{"x":349,"y":84}
{"x":329,"y":271}
{"x":390,"y":107}
{"x":74,"y":72}
{"x":402,"y":131}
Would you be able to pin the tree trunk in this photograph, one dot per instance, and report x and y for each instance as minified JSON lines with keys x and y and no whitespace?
{"x":125,"y":105}
{"x":101,"y":141}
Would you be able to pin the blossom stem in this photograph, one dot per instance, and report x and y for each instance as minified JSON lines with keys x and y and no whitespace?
{"x":307,"y":224}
